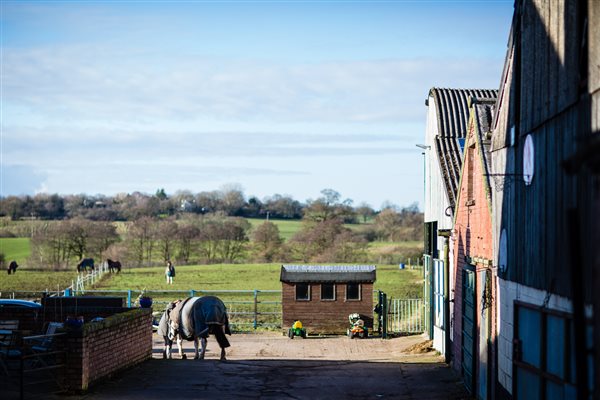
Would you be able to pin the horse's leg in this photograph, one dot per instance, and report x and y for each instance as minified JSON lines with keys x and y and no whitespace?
{"x":166,"y":348}
{"x":196,"y":353}
{"x":179,"y":341}
{"x":203,"y":352}
{"x":223,"y":358}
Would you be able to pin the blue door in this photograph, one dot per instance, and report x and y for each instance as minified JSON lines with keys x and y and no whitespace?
{"x":468,"y":328}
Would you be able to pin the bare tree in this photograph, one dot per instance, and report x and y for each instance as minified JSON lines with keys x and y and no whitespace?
{"x":267,"y":241}
{"x":167,"y":236}
{"x":141,"y":237}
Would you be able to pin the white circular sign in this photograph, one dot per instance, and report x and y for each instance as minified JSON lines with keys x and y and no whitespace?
{"x":502,"y":252}
{"x":528,"y":160}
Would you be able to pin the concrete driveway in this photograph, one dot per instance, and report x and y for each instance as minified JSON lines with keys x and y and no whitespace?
{"x":271,"y":366}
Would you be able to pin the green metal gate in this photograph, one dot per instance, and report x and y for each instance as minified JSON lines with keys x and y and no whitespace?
{"x":468,"y":328}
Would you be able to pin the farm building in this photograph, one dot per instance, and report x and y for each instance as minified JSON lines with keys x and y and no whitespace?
{"x":447,"y":119}
{"x":471,"y":239}
{"x":545,"y":211}
{"x":322,"y":296}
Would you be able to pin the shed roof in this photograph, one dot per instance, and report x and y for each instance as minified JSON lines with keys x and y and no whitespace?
{"x":327,"y":273}
{"x":452,"y":108}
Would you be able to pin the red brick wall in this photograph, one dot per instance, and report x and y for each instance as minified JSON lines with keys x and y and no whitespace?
{"x":472,"y":237}
{"x":100,"y":349}
{"x":330,"y":316}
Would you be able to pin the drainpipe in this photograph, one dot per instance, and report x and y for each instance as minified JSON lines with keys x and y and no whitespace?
{"x":445,"y":233}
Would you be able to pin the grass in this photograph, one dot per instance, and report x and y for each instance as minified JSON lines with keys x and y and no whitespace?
{"x":17,"y":249}
{"x":287,"y":228}
{"x":35,"y":281}
{"x":395,"y":282}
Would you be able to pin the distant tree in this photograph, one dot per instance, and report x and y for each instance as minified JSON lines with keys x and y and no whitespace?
{"x":365,"y":211}
{"x":166,"y":235}
{"x":186,"y":236}
{"x":328,"y":207}
{"x":393,"y":225}
{"x":284,"y":207}
{"x":266,"y":241}
{"x":315,"y":239}
{"x":141,"y":240}
{"x":161,"y":194}
{"x":232,"y":200}
{"x":208,"y":202}
{"x":223,"y":238}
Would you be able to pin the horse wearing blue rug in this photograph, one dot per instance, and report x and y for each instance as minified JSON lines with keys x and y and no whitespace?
{"x":194,"y":319}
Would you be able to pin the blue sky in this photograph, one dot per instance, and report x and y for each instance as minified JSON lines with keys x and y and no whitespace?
{"x":286,"y":97}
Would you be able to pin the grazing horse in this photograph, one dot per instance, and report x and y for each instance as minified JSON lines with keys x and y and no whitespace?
{"x":12,"y":267}
{"x":85,"y":264}
{"x":192,"y":319}
{"x":113,"y":266}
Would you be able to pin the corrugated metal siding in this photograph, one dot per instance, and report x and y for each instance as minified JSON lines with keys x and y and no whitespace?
{"x":328,"y":273}
{"x":452,"y":106}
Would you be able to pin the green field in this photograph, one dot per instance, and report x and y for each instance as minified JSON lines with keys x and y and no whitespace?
{"x":287,"y":228}
{"x":396,"y":283}
{"x":17,"y":249}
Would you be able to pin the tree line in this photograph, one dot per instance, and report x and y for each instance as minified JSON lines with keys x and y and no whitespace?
{"x":189,"y":237}
{"x":229,"y":200}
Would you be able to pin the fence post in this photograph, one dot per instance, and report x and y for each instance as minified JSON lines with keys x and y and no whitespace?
{"x":192,"y":293}
{"x":129,"y":298}
{"x":255,"y":308}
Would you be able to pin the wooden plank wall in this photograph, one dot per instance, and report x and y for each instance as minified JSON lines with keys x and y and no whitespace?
{"x":551,"y":111}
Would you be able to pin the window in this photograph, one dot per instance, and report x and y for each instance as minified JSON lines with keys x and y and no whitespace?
{"x":327,"y":291}
{"x":470,"y":167}
{"x":302,"y":291}
{"x":438,"y":293}
{"x":544,"y":355}
{"x":353,"y":291}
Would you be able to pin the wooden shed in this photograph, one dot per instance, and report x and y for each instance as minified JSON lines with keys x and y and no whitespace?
{"x":322,"y":296}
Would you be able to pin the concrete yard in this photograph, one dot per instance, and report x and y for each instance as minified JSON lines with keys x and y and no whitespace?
{"x":272,"y":366}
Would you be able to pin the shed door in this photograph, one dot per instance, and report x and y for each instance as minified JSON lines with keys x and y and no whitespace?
{"x":468,"y":328}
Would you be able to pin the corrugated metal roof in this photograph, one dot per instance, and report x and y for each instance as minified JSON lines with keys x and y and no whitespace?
{"x":328,"y":273}
{"x":452,"y":106}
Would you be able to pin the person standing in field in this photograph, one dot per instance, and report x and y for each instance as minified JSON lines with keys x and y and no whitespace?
{"x":170,"y":272}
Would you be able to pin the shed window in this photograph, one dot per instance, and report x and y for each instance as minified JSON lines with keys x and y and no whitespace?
{"x":302,"y":291}
{"x":353,"y":291}
{"x":327,"y":291}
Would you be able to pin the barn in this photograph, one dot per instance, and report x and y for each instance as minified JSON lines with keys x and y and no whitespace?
{"x":322,"y":296}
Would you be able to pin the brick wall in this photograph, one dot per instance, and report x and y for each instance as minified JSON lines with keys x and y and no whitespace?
{"x":329,"y":316}
{"x":102,"y":348}
{"x":472,"y":237}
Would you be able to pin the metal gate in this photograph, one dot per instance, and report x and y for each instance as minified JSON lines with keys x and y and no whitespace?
{"x":468,"y":328}
{"x":406,"y":316}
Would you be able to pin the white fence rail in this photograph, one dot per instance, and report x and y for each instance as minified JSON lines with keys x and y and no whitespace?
{"x":406,"y":316}
{"x":83,"y":280}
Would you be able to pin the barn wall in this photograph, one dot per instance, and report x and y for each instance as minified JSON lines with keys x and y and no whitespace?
{"x":507,"y":293}
{"x":472,"y":238}
{"x":545,"y":103}
{"x":325,"y":316}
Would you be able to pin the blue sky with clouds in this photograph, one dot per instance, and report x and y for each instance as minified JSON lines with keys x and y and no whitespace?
{"x":286,"y":97}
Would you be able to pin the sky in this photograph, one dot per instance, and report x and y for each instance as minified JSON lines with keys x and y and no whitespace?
{"x":286,"y":97}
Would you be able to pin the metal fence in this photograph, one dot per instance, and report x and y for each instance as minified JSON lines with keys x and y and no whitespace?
{"x":406,"y":316}
{"x":247,"y":309}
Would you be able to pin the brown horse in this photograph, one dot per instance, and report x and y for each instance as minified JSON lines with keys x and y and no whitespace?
{"x":113,"y":266}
